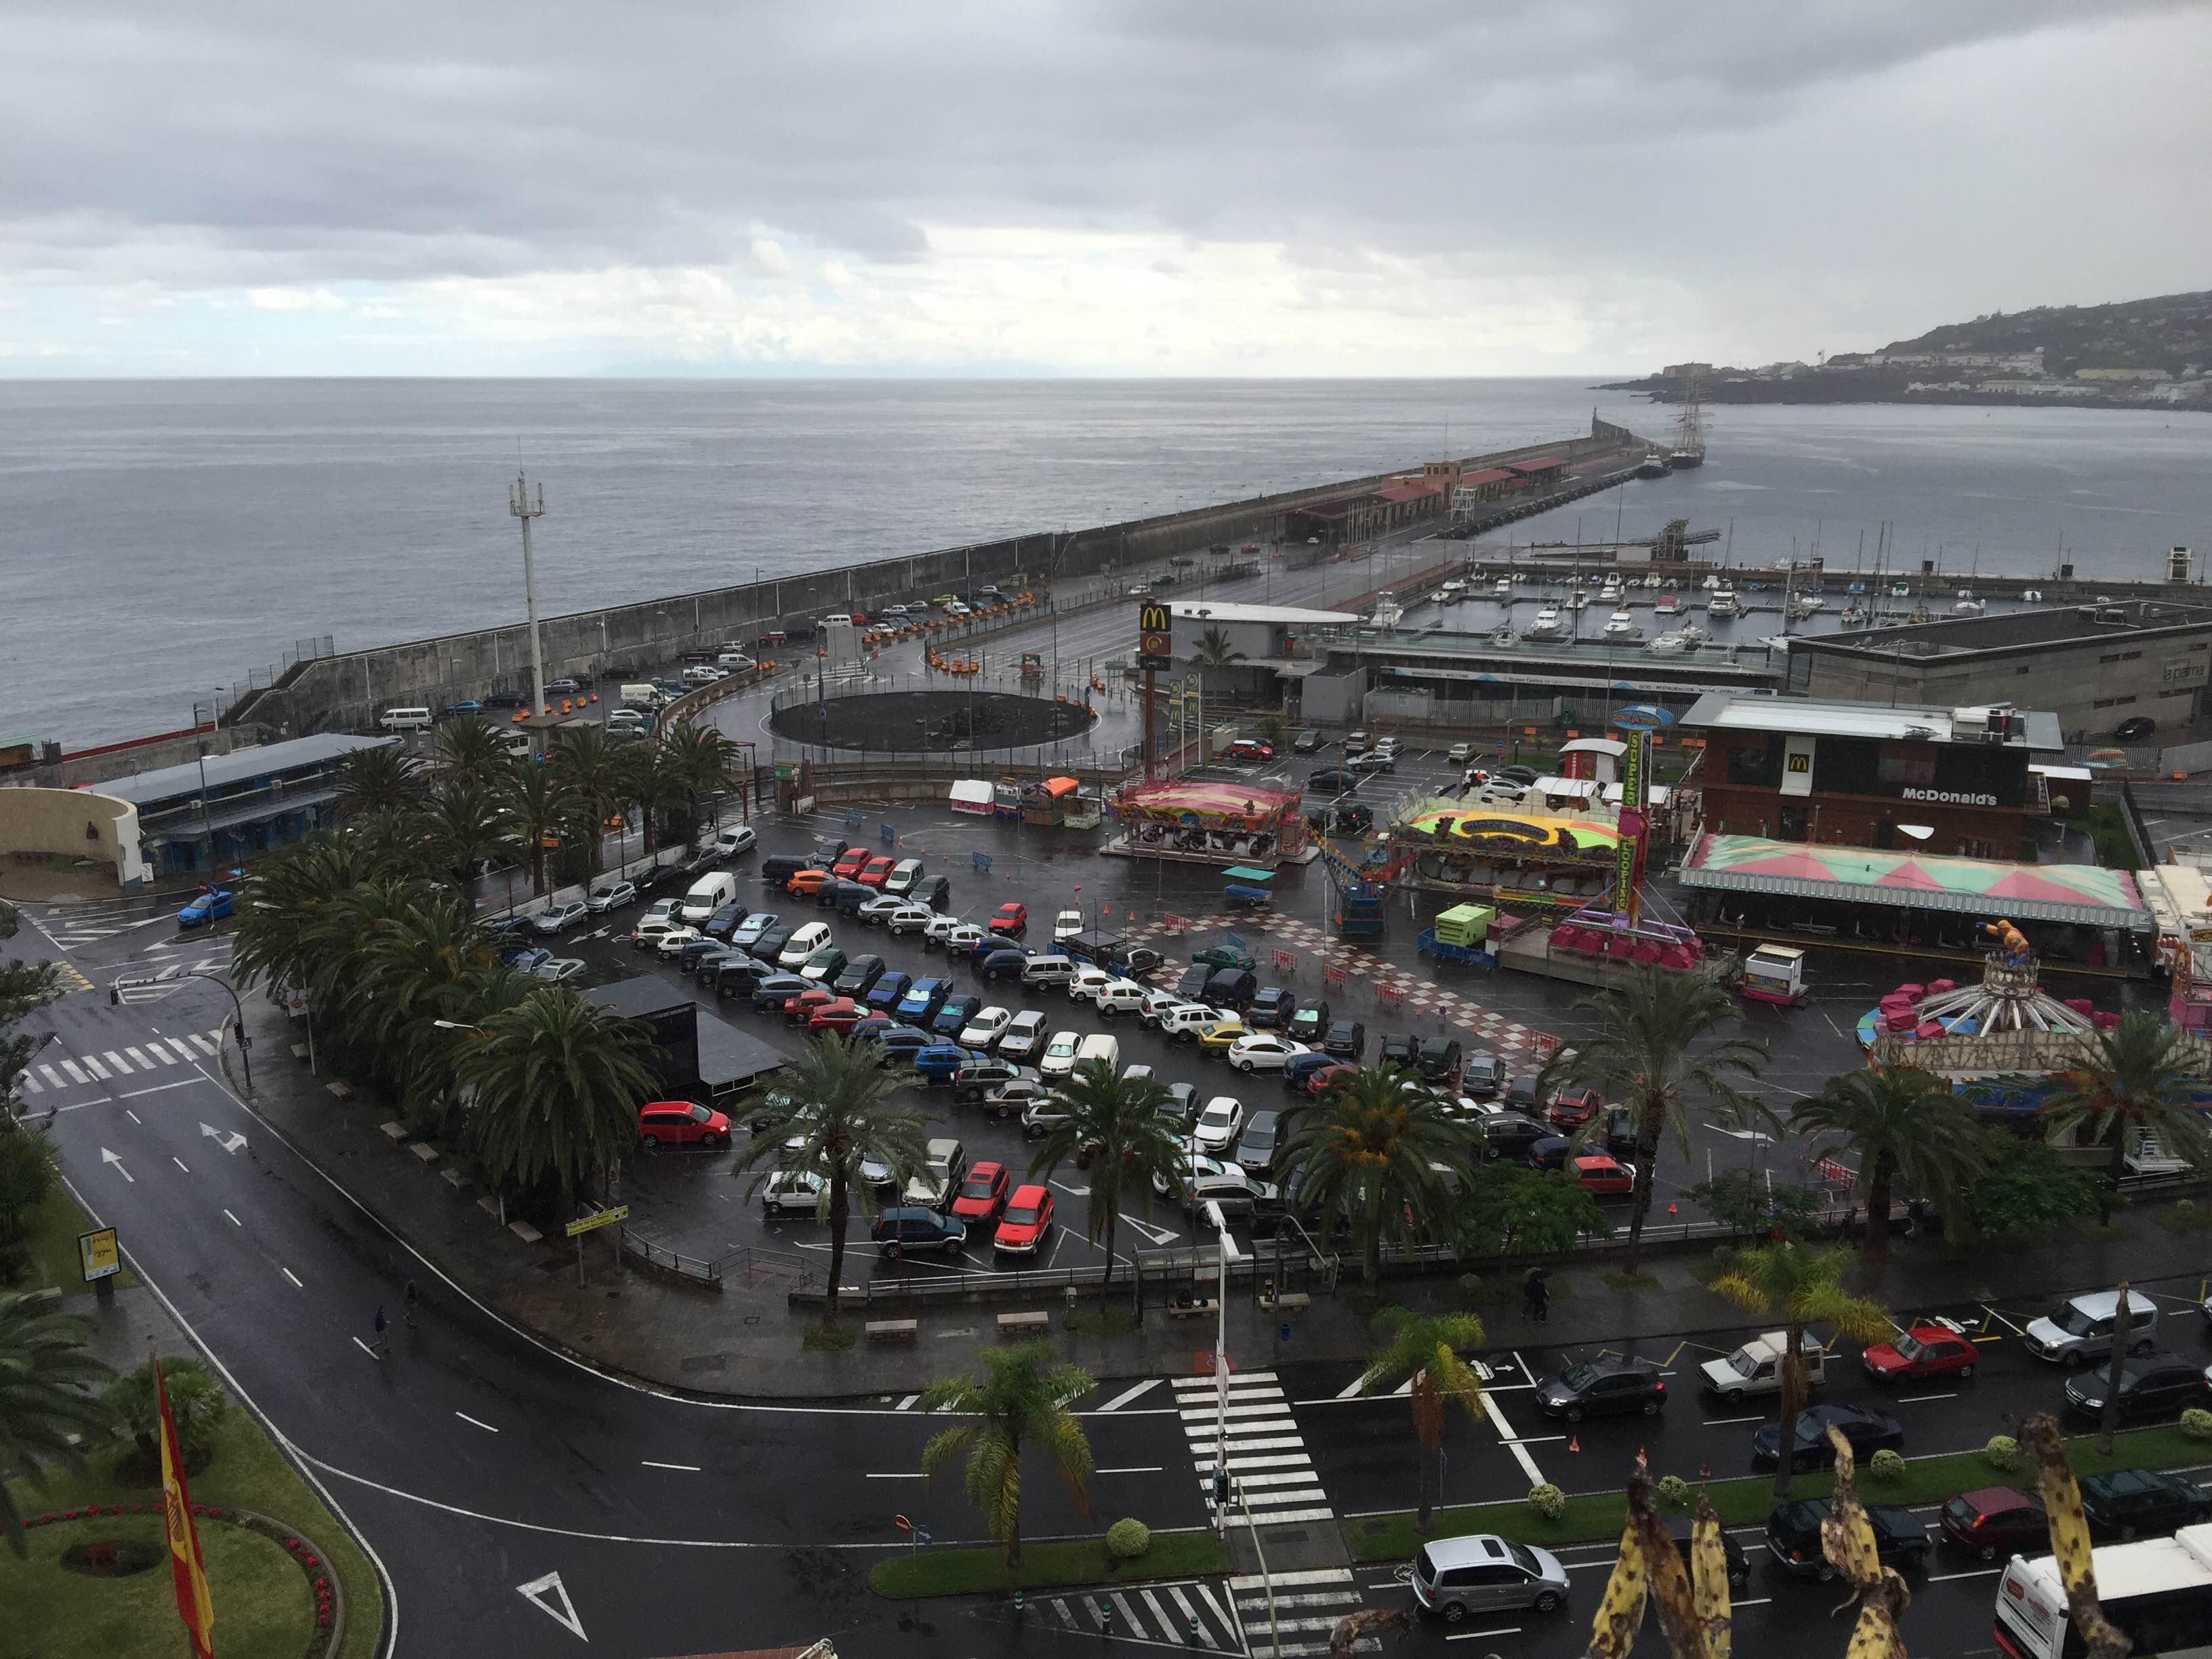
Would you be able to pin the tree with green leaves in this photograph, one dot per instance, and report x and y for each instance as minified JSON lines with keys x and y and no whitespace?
{"x":466,"y":823}
{"x":2133,"y":1081}
{"x":45,"y":1413}
{"x":2025,"y":1189}
{"x":825,"y":1113}
{"x":698,"y":759}
{"x":650,"y":786}
{"x":1743,"y":1201}
{"x":197,"y":1406}
{"x":1511,"y":1211}
{"x":592,"y":772}
{"x":1659,"y":1051}
{"x":29,"y":1171}
{"x":544,"y":817}
{"x":1128,"y":1129}
{"x":555,"y":1087}
{"x":25,"y":987}
{"x":1214,"y":650}
{"x":379,"y":778}
{"x":1022,"y":1400}
{"x":1426,"y":1347}
{"x":1802,"y":1286}
{"x":1378,"y":1154}
{"x":472,"y":747}
{"x":1906,"y":1125}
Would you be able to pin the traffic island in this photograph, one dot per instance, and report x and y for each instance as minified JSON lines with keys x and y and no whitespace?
{"x":1599,"y":1516}
{"x":1054,"y":1564}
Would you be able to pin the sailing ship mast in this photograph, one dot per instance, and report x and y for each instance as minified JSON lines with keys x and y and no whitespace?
{"x":1689,"y":426}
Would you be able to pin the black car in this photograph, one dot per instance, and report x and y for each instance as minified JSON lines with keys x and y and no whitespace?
{"x":1230,"y":987}
{"x":2142,"y":1503}
{"x":1508,"y":1135}
{"x":903,"y":1042}
{"x":719,"y":924}
{"x":738,"y":974}
{"x":770,"y":946}
{"x":979,"y":1077}
{"x":1680,"y":1527}
{"x":828,"y":849}
{"x":2151,"y":1385}
{"x":1521,"y":1096}
{"x":1401,"y":1048}
{"x":1330,"y":781}
{"x":1345,"y":1039}
{"x":1439,"y":1058}
{"x":1550,"y":1150}
{"x":1263,"y":1137}
{"x":1598,"y":1387}
{"x":1310,"y":1021}
{"x":1617,"y":1132}
{"x":1482,"y":1076}
{"x":1270,"y":1008}
{"x":1523,"y":776}
{"x":1005,"y":964}
{"x":688,"y":959}
{"x":778,"y":868}
{"x":911,"y":1227}
{"x":954,"y":1013}
{"x":709,"y":964}
{"x":2135,"y":730}
{"x":1309,"y":742}
{"x":931,"y":890}
{"x":1867,"y":1431}
{"x":859,"y":977}
{"x":770,"y":994}
{"x":1191,"y":985}
{"x":1793,"y":1537}
{"x":848,"y":896}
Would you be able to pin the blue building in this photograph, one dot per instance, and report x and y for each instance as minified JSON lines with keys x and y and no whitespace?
{"x":213,"y":813}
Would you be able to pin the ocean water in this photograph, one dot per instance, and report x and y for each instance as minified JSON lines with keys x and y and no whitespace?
{"x":160,"y":539}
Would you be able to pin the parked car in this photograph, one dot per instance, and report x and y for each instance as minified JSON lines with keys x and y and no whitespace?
{"x":932,"y":892}
{"x":880,"y":908}
{"x":909,"y":918}
{"x":680,"y":1123}
{"x":1920,"y":1354}
{"x":1402,"y":1049}
{"x":981,"y":1194}
{"x":2080,"y":1329}
{"x":1059,"y":1053}
{"x":1011,"y":919}
{"x":1755,"y":1367}
{"x":1576,"y":1107}
{"x":984,"y":1073}
{"x":954,"y":1013}
{"x":838,"y":1014}
{"x":824,"y":965}
{"x":849,"y":864}
{"x":909,"y":1228}
{"x":1024,"y":1036}
{"x":772,"y":992}
{"x":1680,"y":1529}
{"x":1483,"y":1076}
{"x":923,"y":998}
{"x":888,"y":992}
{"x":557,"y":918}
{"x":1262,"y":1139}
{"x":792,"y":1192}
{"x":1868,"y":1430}
{"x":212,"y":906}
{"x":2125,"y":1504}
{"x":1263,"y":1051}
{"x":1509,"y":1135}
{"x":1480,"y":1575}
{"x":1331,"y":781}
{"x":1604,"y":1175}
{"x":1218,"y":1037}
{"x":738,"y":975}
{"x":1793,"y":1537}
{"x":1310,"y":1020}
{"x":1271,"y":1007}
{"x":1298,"y":1070}
{"x":859,"y":975}
{"x":1025,"y":1222}
{"x":1610,"y":1386}
{"x":611,"y":896}
{"x":1219,"y":1124}
{"x":1309,"y":742}
{"x":1224,"y":955}
{"x":1992,"y":1524}
{"x":940,"y":1062}
{"x":1345,"y":1039}
{"x":2152,"y":1385}
{"x":1439,"y":1058}
{"x":746,"y":935}
{"x":985,"y":1026}
{"x":1003,"y":965}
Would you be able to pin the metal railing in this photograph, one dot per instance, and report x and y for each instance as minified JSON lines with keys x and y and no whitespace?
{"x":692,"y":1269}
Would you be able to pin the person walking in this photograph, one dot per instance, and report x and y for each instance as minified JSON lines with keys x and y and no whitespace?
{"x":383,"y":1335}
{"x":409,"y":1299}
{"x":1536,"y":1294}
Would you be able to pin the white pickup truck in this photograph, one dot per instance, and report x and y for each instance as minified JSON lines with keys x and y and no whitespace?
{"x":1756,"y":1367}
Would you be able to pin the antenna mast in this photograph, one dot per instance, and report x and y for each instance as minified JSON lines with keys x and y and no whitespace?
{"x":525,"y":507}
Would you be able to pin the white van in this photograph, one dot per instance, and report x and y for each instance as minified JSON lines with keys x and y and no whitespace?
{"x":645,"y":697}
{"x":404,"y":720}
{"x":904,"y":875}
{"x":702,"y":674}
{"x":2080,"y":1329}
{"x":1102,"y":1046}
{"x":803,"y":943}
{"x":733,"y":662}
{"x":709,"y":894}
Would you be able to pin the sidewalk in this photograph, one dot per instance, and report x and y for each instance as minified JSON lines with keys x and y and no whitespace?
{"x":745,"y":1340}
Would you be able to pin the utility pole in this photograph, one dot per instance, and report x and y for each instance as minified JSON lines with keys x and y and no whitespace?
{"x":523,"y":506}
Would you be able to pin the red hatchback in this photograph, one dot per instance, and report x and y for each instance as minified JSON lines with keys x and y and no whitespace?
{"x":680,"y":1123}
{"x":1606,"y":1177}
{"x":850,"y":863}
{"x":1923,"y":1351}
{"x":873,"y":871}
{"x":799,"y":1009}
{"x":1576,"y":1107}
{"x":1010,"y":919}
{"x":982,"y":1194}
{"x":1329,"y":1077}
{"x":841,"y":1015}
{"x":1026,"y":1219}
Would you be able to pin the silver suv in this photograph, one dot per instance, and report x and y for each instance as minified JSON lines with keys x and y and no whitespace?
{"x":1482,"y":1574}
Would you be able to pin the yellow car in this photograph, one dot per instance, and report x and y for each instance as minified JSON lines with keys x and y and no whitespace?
{"x":1216,"y":1039}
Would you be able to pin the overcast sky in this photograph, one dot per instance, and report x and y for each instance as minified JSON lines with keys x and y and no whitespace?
{"x":1299,"y":187}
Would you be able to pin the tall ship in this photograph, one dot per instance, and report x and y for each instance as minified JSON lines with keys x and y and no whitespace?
{"x":1689,"y":449}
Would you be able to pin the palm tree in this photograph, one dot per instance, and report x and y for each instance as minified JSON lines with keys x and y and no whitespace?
{"x":1905,"y":1124}
{"x":1130,"y":1133}
{"x":1805,"y":1286}
{"x":2133,"y":1080}
{"x":838,"y":1105}
{"x":698,"y":758}
{"x":1426,"y":1347}
{"x":650,"y":785}
{"x":424,"y":961}
{"x":1213,"y":651}
{"x":472,"y":747}
{"x":1022,"y":1400}
{"x":556,"y":1086}
{"x":595,"y":779}
{"x":1653,"y":1054}
{"x":384,"y":778}
{"x":540,"y":811}
{"x":45,"y":1416}
{"x":1378,"y":1154}
{"x":465,"y":824}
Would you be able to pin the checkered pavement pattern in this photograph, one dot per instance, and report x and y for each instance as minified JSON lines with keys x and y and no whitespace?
{"x":1423,"y":1000}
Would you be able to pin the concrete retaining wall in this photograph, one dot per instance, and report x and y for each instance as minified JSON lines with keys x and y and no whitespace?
{"x":37,"y":824}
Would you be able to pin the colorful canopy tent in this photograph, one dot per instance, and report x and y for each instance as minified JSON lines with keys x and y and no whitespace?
{"x":1454,"y":825}
{"x":2082,"y":894}
{"x":1206,"y":804}
{"x":972,"y":795}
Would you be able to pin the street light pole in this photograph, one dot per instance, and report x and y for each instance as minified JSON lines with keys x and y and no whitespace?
{"x":523,"y":506}
{"x":116,"y":987}
{"x":1227,"y":1253}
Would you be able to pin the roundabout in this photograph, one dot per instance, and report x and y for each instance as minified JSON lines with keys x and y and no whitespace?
{"x":872,"y":719}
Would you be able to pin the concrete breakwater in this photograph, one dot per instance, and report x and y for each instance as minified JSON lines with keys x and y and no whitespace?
{"x":347,"y":690}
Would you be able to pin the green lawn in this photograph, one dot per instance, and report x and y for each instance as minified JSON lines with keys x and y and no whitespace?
{"x":54,"y":1259}
{"x":1748,"y":1501}
{"x":1046,"y":1565}
{"x":247,"y":1471}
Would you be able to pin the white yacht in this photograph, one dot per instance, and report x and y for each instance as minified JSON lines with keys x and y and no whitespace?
{"x":1621,"y":625}
{"x":1857,"y":616}
{"x":1667,"y":644}
{"x":1502,"y":588}
{"x":1502,"y":634}
{"x":1452,"y":592}
{"x":1692,"y":636}
{"x":1806,"y":604}
{"x":1610,"y":593}
{"x":1712,"y":582}
{"x":1668,"y":605}
{"x":1723,"y":603}
{"x":1577,"y":599}
{"x":1968,"y":605}
{"x":1548,"y":625}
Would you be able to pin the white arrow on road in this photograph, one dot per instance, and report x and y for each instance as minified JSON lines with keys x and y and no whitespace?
{"x":230,"y":1140}
{"x":1158,"y":1235}
{"x":106,"y":1157}
{"x":535,"y":1592}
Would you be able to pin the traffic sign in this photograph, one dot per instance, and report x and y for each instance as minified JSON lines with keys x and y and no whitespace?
{"x":900,"y":1523}
{"x":603,"y":1219}
{"x":97,"y":1255}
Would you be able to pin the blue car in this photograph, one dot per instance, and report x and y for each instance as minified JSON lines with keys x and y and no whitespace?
{"x":465,"y":706}
{"x":525,"y":960}
{"x":922,"y":1000}
{"x":888,"y":992}
{"x":940,"y":1061}
{"x":954,"y":1013}
{"x":1004,"y":965}
{"x":990,"y":943}
{"x":1299,"y":1067}
{"x":212,"y":906}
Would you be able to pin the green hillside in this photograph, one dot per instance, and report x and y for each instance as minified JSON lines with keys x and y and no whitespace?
{"x":2169,"y":332}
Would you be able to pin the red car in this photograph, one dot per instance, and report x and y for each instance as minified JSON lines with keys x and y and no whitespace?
{"x":801,"y":1008}
{"x":850,"y":863}
{"x":1923,"y":1351}
{"x":1608,"y":1178}
{"x":1576,"y":1107}
{"x":873,"y":871}
{"x":982,"y":1194}
{"x":1026,"y":1219}
{"x":1010,"y":919}
{"x":840,"y":1015}
{"x":680,"y":1123}
{"x":1252,"y":748}
{"x":1328,"y":1078}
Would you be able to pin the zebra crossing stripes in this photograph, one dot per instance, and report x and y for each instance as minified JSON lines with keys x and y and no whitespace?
{"x":1307,"y":1606}
{"x":1266,"y":1455}
{"x":112,"y":1065}
{"x":1152,"y":1615}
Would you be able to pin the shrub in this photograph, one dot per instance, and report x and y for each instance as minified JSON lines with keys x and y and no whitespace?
{"x":2003,"y":1452}
{"x":2196,"y":1422}
{"x":1673,"y":1493}
{"x":1127,"y":1539}
{"x":1886,"y":1466}
{"x":1548,"y":1501}
{"x":197,"y":1406}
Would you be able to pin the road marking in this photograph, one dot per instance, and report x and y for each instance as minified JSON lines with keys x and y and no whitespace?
{"x":2002,"y":1320}
{"x":204,"y":1046}
{"x":54,"y":1076}
{"x":155,"y":1089}
{"x":173,"y":1159}
{"x":1352,"y":1388}
{"x":1147,"y":1469}
{"x":287,"y":1272}
{"x":117,"y":1061}
{"x":134,"y":1117}
{"x":366,"y":1349}
{"x":106,"y":1157}
{"x":907,"y":1404}
{"x":75,"y":1073}
{"x":873,"y":1475}
{"x":686,"y":1468}
{"x":1127,"y":1395}
{"x":1946,"y":1578}
{"x":1915,"y":1399}
{"x":234,"y":1220}
{"x":1470,"y":1635}
{"x":485,"y":1426}
{"x":159,"y":1053}
{"x":1513,"y":1443}
{"x":1724,"y":1422}
{"x":98,"y":1070}
{"x":534,"y":1592}
{"x":144,"y":1064}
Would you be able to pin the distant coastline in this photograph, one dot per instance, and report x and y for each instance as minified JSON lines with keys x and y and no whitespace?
{"x":1847,"y":388}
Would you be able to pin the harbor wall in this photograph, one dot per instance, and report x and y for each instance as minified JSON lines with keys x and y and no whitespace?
{"x":346,"y":690}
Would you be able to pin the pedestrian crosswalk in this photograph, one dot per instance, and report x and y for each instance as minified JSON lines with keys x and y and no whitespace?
{"x":1268,"y":1466}
{"x":1191,"y":1615}
{"x":1302,"y":1609}
{"x":98,"y":1065}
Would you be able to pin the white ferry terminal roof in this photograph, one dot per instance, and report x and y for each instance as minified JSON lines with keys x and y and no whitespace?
{"x":1201,"y":611}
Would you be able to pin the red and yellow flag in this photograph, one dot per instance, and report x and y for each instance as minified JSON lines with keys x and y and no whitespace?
{"x":193,"y":1606}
